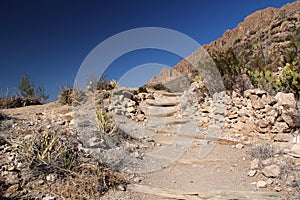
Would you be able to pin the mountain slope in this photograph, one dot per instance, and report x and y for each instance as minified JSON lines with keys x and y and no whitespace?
{"x":265,"y":40}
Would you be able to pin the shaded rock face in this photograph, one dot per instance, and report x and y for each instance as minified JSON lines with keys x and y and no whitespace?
{"x":265,"y":33}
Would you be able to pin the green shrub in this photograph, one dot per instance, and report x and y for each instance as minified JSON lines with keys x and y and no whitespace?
{"x":105,"y":122}
{"x":143,"y":89}
{"x":159,"y":86}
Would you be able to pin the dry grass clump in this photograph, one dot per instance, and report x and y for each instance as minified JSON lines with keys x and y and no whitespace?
{"x":68,"y":95}
{"x":16,"y":102}
{"x":105,"y":121}
{"x":262,"y":151}
{"x":77,"y":176}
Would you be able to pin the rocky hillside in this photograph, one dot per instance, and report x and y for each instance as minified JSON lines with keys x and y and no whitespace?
{"x":265,"y":40}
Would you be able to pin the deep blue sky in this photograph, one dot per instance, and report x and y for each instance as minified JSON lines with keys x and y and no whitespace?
{"x":49,"y":39}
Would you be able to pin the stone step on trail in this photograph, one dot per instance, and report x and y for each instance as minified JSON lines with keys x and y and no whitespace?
{"x":171,"y":94}
{"x":160,"y":112}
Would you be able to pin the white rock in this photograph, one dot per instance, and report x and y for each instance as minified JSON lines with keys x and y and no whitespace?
{"x":261,"y":184}
{"x":277,"y":188}
{"x":269,"y":181}
{"x":296,"y":140}
{"x":72,"y":122}
{"x":286,"y":99}
{"x":121,"y":187}
{"x":51,"y":177}
{"x":271,"y":171}
{"x":130,"y":104}
{"x":130,"y":109}
{"x":48,"y":197}
{"x":239,"y":146}
{"x":255,"y":164}
{"x":296,"y":148}
{"x":252,"y":173}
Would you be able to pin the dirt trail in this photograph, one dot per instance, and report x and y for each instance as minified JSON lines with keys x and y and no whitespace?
{"x":198,"y":165}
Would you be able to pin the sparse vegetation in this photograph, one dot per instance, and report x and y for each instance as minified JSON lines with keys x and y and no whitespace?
{"x":68,"y":95}
{"x":105,"y":122}
{"x":143,"y":89}
{"x":159,"y":86}
{"x":26,"y":94}
{"x":103,"y":84}
{"x":52,"y":156}
{"x":27,"y":89}
{"x":262,"y":151}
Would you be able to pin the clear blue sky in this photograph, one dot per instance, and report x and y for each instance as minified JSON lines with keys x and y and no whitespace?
{"x":49,"y":39}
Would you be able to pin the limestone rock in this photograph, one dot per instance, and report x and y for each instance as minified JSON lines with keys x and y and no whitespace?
{"x":296,"y":148}
{"x":252,"y":173}
{"x":130,"y":109}
{"x":255,"y":164}
{"x":286,"y":99}
{"x":261,"y":184}
{"x":271,"y":171}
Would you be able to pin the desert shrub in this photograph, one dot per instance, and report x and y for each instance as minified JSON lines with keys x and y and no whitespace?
{"x":143,"y":90}
{"x":103,"y":84}
{"x":289,"y":81}
{"x":28,"y":101}
{"x":262,"y":151}
{"x":229,"y":66}
{"x":27,"y":89}
{"x":159,"y":86}
{"x":50,"y":148}
{"x":16,"y":102}
{"x":68,"y":95}
{"x":105,"y":121}
{"x":10,"y":102}
{"x":55,"y":152}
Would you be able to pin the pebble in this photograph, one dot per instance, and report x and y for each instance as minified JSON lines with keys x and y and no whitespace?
{"x":252,"y":173}
{"x":239,"y":146}
{"x":51,"y":177}
{"x":261,"y":184}
{"x":121,"y":187}
{"x":277,"y":188}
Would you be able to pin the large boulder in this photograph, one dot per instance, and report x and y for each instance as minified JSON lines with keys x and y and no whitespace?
{"x":287,"y":99}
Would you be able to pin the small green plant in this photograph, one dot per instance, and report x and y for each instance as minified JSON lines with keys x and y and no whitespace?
{"x":105,"y":122}
{"x":159,"y":86}
{"x":198,"y":78}
{"x":291,"y":78}
{"x":143,"y":89}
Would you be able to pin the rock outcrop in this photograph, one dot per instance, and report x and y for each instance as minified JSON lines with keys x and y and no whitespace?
{"x":266,"y":33}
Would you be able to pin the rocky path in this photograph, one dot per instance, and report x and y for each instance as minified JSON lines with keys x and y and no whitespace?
{"x":186,"y":162}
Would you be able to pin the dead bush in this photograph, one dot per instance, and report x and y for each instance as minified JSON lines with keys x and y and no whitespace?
{"x":69,"y":95}
{"x":262,"y":151}
{"x":78,"y":176}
